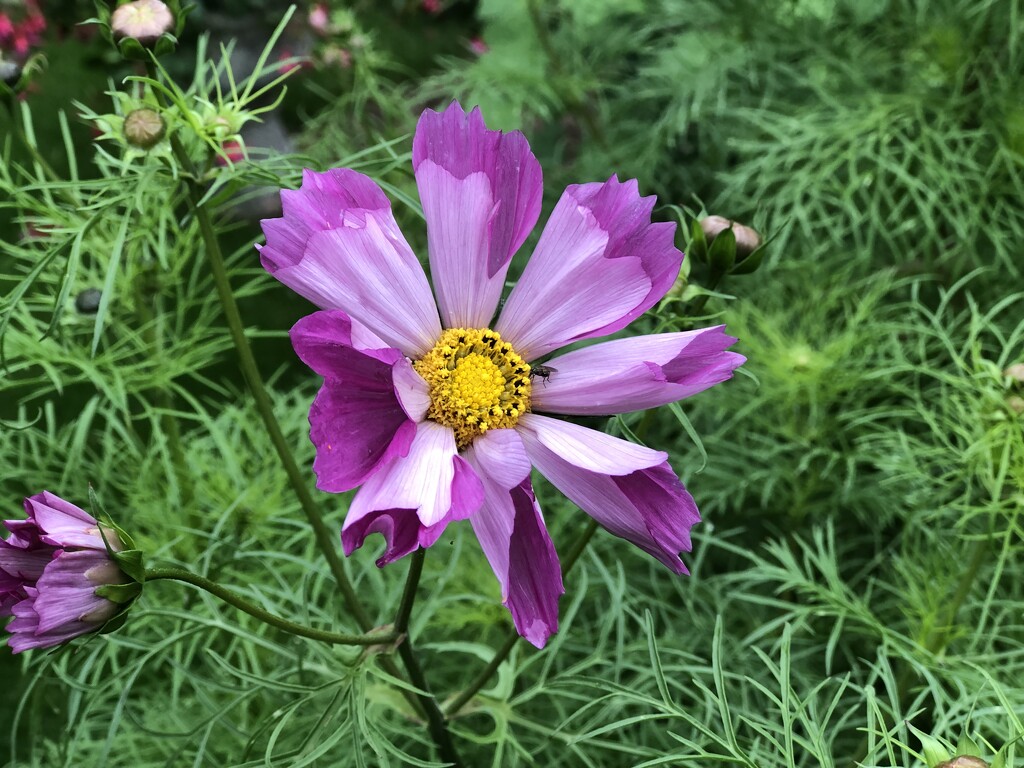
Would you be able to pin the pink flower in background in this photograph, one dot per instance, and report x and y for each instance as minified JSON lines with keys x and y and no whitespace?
{"x":50,"y":567}
{"x":18,"y":34}
{"x":319,"y":20}
{"x":435,"y":410}
{"x":478,"y":46}
{"x":431,"y":6}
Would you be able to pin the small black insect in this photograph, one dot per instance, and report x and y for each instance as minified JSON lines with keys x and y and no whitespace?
{"x":544,"y":371}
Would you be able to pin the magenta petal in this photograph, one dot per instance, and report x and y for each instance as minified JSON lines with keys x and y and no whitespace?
{"x":339,"y":246}
{"x":413,"y":498}
{"x":24,"y":628}
{"x":514,"y":538}
{"x":357,"y":421}
{"x":62,"y":524}
{"x":67,"y":590}
{"x":636,"y":373}
{"x":585,"y":448}
{"x":648,"y":507}
{"x":481,"y":193}
{"x":600,"y":264}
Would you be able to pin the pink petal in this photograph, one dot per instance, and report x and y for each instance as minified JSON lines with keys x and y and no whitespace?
{"x":413,"y":498}
{"x":357,"y":422}
{"x":636,"y":373}
{"x":25,"y":625}
{"x":599,"y":265}
{"x":339,"y":246}
{"x":585,"y":448}
{"x":515,"y":540}
{"x":648,"y":507}
{"x":67,"y":590}
{"x":481,"y":193}
{"x":62,"y":524}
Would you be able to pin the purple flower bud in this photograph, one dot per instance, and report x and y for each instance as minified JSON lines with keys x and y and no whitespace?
{"x":50,"y":568}
{"x":143,"y":20}
{"x":747,"y":239}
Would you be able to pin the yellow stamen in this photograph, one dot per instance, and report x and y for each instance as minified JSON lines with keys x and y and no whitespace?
{"x":477,"y":382}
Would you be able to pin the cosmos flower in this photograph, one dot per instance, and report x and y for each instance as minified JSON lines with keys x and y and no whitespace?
{"x":438,"y":413}
{"x":50,"y":568}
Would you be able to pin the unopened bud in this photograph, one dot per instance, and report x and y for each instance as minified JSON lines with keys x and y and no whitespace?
{"x":1016,"y":372}
{"x":10,"y":73}
{"x":747,"y":239}
{"x":142,"y":20}
{"x":1016,"y":404}
{"x":963,"y":761}
{"x":88,"y":301}
{"x":144,"y":128}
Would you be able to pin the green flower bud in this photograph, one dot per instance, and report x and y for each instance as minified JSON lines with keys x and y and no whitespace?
{"x":144,"y":128}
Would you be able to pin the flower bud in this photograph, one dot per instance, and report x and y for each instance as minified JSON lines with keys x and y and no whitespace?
{"x":144,"y":128}
{"x":88,"y":301}
{"x":1015,"y":372}
{"x":747,"y":239}
{"x":10,"y":73}
{"x":64,"y":574}
{"x":1016,"y":403}
{"x":143,"y":20}
{"x":963,"y":761}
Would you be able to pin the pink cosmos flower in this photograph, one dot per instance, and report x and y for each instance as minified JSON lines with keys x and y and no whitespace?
{"x":438,"y":413}
{"x":50,"y":567}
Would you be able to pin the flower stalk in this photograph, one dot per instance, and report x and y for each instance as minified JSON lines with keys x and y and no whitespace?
{"x":299,"y":630}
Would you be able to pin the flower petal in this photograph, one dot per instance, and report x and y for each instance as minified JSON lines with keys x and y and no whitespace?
{"x":414,"y":497}
{"x":339,"y":246}
{"x":25,"y":625}
{"x":585,"y":448}
{"x":481,"y":193}
{"x":358,"y":422}
{"x":512,"y":534}
{"x":599,"y":265}
{"x":648,"y":507}
{"x":67,"y":590}
{"x":62,"y":524}
{"x":636,"y":373}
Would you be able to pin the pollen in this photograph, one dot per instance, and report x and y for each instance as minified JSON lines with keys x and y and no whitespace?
{"x":477,"y":382}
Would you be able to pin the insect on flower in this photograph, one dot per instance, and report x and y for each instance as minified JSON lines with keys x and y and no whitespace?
{"x":544,"y":371}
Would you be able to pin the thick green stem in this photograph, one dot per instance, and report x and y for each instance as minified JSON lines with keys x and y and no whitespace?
{"x":328,"y":542}
{"x":436,"y":722}
{"x":456,"y":704}
{"x":234,"y":599}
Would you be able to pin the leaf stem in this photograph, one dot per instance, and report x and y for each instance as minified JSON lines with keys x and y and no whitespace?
{"x":234,"y":599}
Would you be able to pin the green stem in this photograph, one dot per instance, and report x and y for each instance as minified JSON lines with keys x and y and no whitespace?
{"x":456,"y":704}
{"x":234,"y":599}
{"x":697,"y":305}
{"x":325,"y":540}
{"x":436,"y":722}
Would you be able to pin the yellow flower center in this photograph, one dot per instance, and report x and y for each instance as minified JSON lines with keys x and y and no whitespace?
{"x":477,"y":382}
